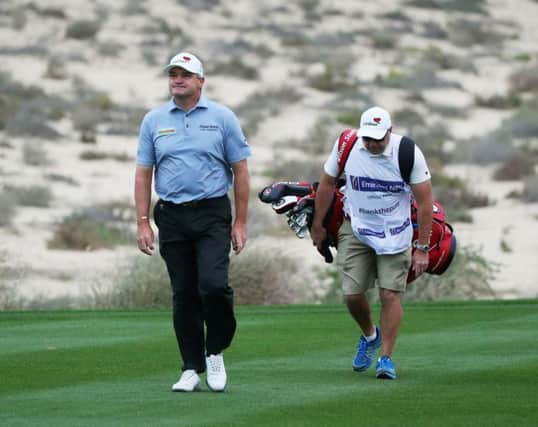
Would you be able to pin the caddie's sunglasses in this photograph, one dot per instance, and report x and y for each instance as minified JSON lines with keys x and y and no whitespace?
{"x":368,"y":139}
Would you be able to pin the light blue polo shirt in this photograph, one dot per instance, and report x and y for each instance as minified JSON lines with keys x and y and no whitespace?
{"x":191,"y":151}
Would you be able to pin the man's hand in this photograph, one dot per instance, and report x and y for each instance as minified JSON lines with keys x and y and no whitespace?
{"x":420,"y":262}
{"x":423,"y":195}
{"x":145,"y":237}
{"x":323,"y":200}
{"x":239,"y":237}
{"x":318,"y":233}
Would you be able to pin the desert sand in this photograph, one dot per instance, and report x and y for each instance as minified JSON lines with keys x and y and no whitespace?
{"x":128,"y":79}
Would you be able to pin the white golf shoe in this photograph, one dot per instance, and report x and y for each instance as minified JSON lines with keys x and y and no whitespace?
{"x":216,"y":374}
{"x":189,"y":381}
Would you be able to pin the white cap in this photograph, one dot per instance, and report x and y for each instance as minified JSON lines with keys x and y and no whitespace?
{"x":375,"y":122}
{"x":188,"y":62}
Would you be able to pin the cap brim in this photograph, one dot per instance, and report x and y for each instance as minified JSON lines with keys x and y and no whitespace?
{"x":374,"y":133}
{"x":170,"y":66}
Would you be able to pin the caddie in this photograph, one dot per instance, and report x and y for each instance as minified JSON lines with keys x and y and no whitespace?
{"x":374,"y":240}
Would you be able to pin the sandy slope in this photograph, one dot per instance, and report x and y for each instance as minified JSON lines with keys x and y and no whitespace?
{"x":127,"y":79}
{"x":507,"y":224}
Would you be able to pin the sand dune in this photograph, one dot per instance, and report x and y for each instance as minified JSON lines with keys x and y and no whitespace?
{"x":130,"y":78}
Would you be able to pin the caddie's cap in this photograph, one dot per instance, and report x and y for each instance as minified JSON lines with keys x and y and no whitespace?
{"x":375,"y":122}
{"x":188,"y":62}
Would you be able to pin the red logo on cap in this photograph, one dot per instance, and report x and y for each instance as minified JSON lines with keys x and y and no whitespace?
{"x":187,"y":58}
{"x":377,"y":119}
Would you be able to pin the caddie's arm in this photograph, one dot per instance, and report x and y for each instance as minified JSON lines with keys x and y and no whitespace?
{"x":423,"y":195}
{"x":324,"y":197}
{"x":142,"y":196}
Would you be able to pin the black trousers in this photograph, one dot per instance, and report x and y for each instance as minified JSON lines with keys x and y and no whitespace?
{"x":194,"y":241}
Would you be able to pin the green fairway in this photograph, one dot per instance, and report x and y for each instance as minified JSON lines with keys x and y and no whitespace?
{"x":458,"y":364}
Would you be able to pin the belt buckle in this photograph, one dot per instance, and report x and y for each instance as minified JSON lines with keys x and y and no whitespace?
{"x":190,"y":204}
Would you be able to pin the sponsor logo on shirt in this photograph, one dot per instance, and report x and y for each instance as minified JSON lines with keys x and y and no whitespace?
{"x":210,"y":128}
{"x":380,"y":211}
{"x":166,"y":131}
{"x":399,"y":229}
{"x":369,"y":232}
{"x":362,"y":183}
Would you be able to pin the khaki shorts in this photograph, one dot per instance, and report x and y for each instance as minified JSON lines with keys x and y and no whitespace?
{"x":360,"y":266}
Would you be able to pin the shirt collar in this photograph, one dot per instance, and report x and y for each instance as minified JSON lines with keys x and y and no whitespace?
{"x":202,"y":103}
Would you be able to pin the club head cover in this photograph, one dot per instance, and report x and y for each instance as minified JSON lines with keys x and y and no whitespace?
{"x":304,"y":203}
{"x":284,"y":204}
{"x":274,"y":192}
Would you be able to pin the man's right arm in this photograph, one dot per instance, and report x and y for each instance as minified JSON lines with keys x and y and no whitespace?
{"x":142,"y":196}
{"x":324,"y":197}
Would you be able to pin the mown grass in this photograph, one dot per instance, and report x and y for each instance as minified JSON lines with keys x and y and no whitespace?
{"x":465,"y":363}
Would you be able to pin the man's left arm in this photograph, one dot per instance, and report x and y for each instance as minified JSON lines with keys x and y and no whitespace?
{"x":241,"y":195}
{"x":423,"y":195}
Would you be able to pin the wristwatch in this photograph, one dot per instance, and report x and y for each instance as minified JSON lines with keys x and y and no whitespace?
{"x":423,"y":248}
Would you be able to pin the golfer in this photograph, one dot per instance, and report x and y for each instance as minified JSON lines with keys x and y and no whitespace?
{"x":197,"y":151}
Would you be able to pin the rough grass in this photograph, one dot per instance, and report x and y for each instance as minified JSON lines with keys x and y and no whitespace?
{"x":334,"y":78}
{"x":94,"y":155}
{"x":262,"y":104}
{"x":319,"y":139}
{"x":525,"y":79}
{"x":265,"y":277}
{"x":456,"y":197}
{"x":519,"y":166}
{"x":83,"y":29}
{"x":295,"y":170}
{"x":519,"y":130}
{"x":89,"y":229}
{"x":530,"y":189}
{"x":257,"y":277}
{"x":417,"y":78}
{"x":475,"y":6}
{"x":36,"y":196}
{"x":8,"y":208}
{"x":141,"y":282}
{"x":10,"y":273}
{"x":468,"y":277}
{"x":25,"y":110}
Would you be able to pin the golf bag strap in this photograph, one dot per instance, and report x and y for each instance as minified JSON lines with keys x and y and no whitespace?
{"x":345,"y":143}
{"x":406,"y":158}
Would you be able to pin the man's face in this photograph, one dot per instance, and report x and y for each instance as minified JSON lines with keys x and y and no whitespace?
{"x":183,"y":83}
{"x":376,"y":146}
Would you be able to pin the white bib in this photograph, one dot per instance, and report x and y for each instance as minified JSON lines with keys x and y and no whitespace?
{"x":377,"y":199}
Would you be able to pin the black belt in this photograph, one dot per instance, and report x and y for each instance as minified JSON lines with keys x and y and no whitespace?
{"x":193,"y":203}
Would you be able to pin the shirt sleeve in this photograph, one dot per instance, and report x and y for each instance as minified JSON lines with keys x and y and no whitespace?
{"x":331,"y":165}
{"x":236,"y":145}
{"x":420,"y":172}
{"x":146,"y":152}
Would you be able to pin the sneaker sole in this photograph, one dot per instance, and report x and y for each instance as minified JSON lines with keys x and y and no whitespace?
{"x":214,"y":389}
{"x":385,"y":376}
{"x":364,"y":368}
{"x":196,"y":388}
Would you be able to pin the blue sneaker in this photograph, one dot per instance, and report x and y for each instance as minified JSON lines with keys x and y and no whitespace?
{"x":366,"y":352}
{"x":385,"y":368}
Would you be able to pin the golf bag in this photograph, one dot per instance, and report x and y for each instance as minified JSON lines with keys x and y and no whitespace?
{"x":296,"y":200}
